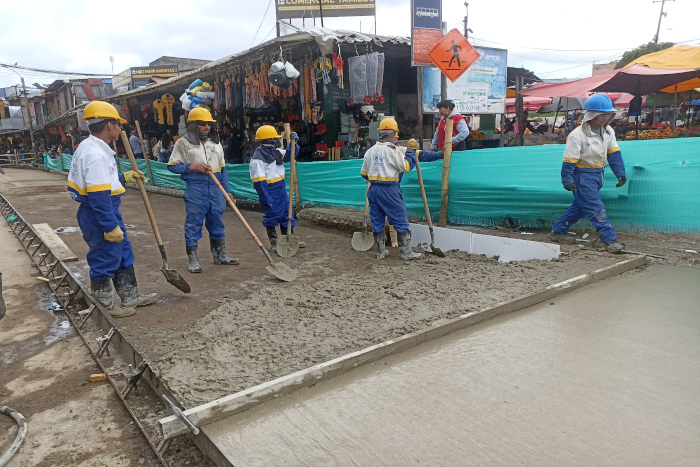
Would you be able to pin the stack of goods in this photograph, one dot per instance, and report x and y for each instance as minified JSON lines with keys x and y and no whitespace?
{"x":198,"y":94}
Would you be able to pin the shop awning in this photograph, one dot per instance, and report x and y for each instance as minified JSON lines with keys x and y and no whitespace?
{"x":680,"y":56}
{"x":563,"y":104}
{"x":638,"y":80}
{"x":529,"y":103}
{"x":624,"y":100}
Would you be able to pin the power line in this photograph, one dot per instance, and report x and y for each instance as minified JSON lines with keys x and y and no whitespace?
{"x":261,"y":23}
{"x":50,"y":72}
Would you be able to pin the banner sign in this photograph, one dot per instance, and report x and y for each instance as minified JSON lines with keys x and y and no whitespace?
{"x":426,"y":29}
{"x":288,"y":9}
{"x":480,"y":90}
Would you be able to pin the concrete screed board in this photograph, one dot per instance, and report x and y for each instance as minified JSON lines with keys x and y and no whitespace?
{"x":605,"y":375}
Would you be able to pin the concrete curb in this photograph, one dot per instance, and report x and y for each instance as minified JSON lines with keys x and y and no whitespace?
{"x":235,"y":403}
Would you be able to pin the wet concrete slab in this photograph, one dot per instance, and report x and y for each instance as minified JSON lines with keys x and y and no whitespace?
{"x":605,"y":375}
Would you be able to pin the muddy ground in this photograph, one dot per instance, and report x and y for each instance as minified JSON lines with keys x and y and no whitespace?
{"x":241,"y":327}
{"x":44,"y":375}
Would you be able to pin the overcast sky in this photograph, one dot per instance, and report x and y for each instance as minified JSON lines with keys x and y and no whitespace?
{"x":80,"y":36}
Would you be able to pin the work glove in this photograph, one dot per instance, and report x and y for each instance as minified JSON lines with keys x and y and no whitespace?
{"x":115,"y":236}
{"x":133,"y":176}
{"x":412,"y":144}
{"x":294,"y":135}
{"x":570,"y":187}
{"x":622,"y":180}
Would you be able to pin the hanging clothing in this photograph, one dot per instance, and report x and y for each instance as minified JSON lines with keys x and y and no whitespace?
{"x":94,"y":182}
{"x":585,"y":156}
{"x":204,"y":203}
{"x":384,"y":165}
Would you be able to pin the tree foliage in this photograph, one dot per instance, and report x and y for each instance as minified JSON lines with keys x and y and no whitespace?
{"x":631,"y":55}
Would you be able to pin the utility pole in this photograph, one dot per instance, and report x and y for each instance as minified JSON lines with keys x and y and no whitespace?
{"x":466,"y":21}
{"x":443,"y":78}
{"x":320,"y":10}
{"x":661,"y":15}
{"x":29,"y":113}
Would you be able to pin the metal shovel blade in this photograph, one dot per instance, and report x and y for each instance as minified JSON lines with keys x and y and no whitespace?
{"x":362,"y":241}
{"x":175,"y":279}
{"x":436,"y":251}
{"x":282,"y":272}
{"x":287,"y":245}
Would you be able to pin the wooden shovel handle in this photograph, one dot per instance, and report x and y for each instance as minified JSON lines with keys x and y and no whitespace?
{"x":422,"y":192}
{"x":151,"y":217}
{"x":240,"y":217}
{"x":145,"y":156}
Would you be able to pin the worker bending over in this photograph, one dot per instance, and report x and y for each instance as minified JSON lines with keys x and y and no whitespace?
{"x":267,"y":174}
{"x":383,"y":167}
{"x":194,"y":156}
{"x":588,"y":148}
{"x":95,"y":183}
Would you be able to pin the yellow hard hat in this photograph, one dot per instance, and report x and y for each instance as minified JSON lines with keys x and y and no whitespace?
{"x":200,"y":114}
{"x":389,"y":124}
{"x":266,"y":132}
{"x":101,"y":110}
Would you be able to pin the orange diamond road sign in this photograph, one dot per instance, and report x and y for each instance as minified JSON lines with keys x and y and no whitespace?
{"x":453,"y":55}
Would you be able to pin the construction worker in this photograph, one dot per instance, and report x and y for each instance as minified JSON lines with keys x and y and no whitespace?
{"x":194,"y":156}
{"x":384,"y":166}
{"x":94,"y":182}
{"x":588,"y":148}
{"x":267,"y":174}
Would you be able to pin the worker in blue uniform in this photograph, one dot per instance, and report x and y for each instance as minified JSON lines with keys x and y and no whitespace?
{"x":194,"y":156}
{"x":95,"y":183}
{"x":383,"y":167}
{"x":267,"y":174}
{"x":588,"y":149}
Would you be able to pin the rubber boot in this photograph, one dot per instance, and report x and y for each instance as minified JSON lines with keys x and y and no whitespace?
{"x":613,"y":247}
{"x":102,"y":292}
{"x":218,"y":251}
{"x":283,"y":231}
{"x":380,"y":240}
{"x":128,"y":290}
{"x":194,"y":262}
{"x":407,"y":252}
{"x":272,"y":235}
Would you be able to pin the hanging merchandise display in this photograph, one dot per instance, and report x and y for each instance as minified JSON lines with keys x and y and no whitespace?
{"x":338,"y":64}
{"x":125,"y":112}
{"x":168,"y":100}
{"x":198,"y":94}
{"x":159,"y":109}
{"x":366,"y":77}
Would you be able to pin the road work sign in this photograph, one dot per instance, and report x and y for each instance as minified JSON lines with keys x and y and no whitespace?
{"x":453,"y":55}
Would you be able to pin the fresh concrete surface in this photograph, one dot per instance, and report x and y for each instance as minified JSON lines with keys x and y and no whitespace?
{"x":605,"y":375}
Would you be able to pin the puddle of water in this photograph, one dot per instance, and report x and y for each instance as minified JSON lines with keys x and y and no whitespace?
{"x":60,"y":329}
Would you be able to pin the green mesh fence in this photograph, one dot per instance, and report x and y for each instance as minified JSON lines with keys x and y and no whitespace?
{"x":519,"y":185}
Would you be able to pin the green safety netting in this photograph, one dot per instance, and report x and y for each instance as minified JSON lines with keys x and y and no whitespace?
{"x":521,"y":184}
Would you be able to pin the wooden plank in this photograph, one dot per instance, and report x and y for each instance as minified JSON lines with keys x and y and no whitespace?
{"x":227,"y":406}
{"x":54,"y":242}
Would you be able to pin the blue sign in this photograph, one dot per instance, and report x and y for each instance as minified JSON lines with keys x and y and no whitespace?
{"x":427,"y":14}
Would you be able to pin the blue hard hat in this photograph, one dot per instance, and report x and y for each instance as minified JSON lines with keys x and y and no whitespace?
{"x":599,"y":103}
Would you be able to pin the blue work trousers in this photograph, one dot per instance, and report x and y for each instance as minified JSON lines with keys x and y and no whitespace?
{"x":204,"y":203}
{"x":276,"y":210}
{"x":386,"y":201}
{"x":104,"y":258}
{"x":587,"y":203}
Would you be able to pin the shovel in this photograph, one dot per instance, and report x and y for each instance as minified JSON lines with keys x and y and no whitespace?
{"x":433,"y":249}
{"x":280,"y":270}
{"x":171,"y":275}
{"x":288,"y":245}
{"x":363,"y":241}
